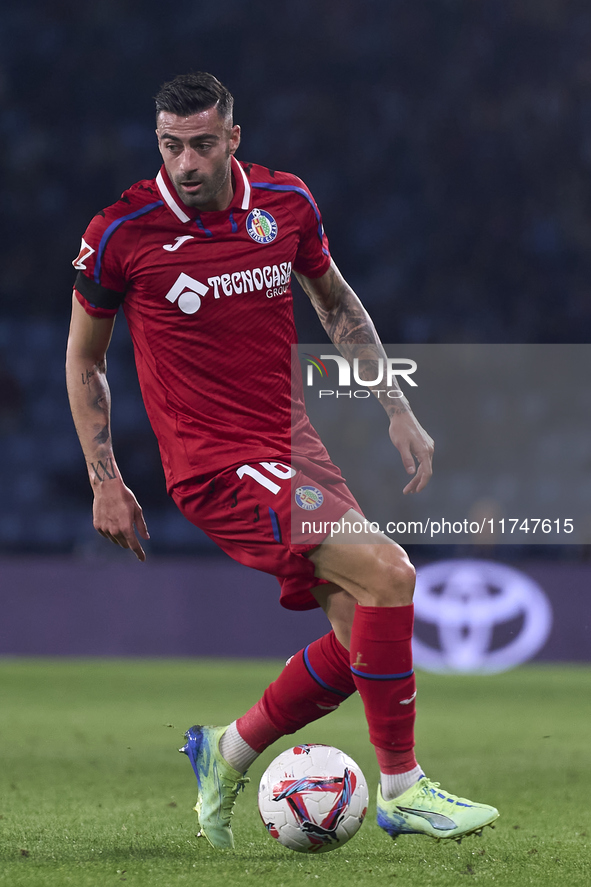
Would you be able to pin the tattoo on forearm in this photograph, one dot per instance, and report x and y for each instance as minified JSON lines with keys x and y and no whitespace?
{"x":103,"y":436}
{"x":100,"y":402}
{"x":350,"y":325}
{"x":343,"y":316}
{"x":350,"y":328}
{"x":100,"y":367}
{"x":104,"y":470}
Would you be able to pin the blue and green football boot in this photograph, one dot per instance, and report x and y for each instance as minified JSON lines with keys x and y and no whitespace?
{"x":218,"y":785}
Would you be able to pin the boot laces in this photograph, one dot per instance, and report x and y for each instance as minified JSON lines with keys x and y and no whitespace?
{"x":229,"y":797}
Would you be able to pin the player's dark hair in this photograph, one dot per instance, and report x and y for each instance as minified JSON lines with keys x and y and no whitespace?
{"x":190,"y":94}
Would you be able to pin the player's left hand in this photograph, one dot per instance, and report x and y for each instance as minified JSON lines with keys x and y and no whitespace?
{"x":415,"y":446}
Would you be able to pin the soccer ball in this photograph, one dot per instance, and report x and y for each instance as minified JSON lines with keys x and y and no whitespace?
{"x":313,"y":798}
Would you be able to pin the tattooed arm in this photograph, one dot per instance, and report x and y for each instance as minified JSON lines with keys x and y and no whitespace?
{"x":351,"y":329}
{"x":115,"y":509}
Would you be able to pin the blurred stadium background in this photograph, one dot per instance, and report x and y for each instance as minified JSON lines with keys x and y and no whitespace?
{"x":448,"y":144}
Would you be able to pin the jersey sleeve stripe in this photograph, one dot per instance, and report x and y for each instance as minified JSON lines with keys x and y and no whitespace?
{"x":268,"y":186}
{"x":111,"y":230}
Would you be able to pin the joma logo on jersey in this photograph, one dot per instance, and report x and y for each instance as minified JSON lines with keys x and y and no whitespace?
{"x":188,"y":292}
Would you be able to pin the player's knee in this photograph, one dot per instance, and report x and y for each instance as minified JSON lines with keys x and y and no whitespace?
{"x":393,"y":579}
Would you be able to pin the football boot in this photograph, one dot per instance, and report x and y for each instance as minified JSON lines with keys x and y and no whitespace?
{"x":425,"y":809}
{"x":218,"y":784}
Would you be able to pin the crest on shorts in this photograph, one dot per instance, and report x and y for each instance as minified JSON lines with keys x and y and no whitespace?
{"x":309,"y":498}
{"x":261,"y":226}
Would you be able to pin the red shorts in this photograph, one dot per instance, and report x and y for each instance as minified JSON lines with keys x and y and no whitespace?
{"x":268,"y":515}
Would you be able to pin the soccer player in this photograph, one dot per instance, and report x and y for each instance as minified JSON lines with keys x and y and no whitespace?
{"x":200,"y":258}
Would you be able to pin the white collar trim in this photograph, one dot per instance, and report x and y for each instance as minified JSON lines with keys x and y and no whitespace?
{"x":246,"y":197}
{"x":169,"y":199}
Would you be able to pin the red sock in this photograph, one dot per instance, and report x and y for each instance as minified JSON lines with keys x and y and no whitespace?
{"x":313,"y":683}
{"x":381,"y":664}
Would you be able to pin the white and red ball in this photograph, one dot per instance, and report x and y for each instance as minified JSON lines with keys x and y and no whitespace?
{"x":313,"y":798}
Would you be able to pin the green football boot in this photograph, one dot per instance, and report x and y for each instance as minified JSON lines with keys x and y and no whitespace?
{"x":424,"y":809}
{"x":218,"y":785}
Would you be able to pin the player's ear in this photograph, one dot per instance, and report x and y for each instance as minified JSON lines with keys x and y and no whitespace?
{"x":234,"y":138}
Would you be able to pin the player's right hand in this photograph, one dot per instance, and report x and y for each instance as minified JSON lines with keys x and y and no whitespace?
{"x":117,"y":516}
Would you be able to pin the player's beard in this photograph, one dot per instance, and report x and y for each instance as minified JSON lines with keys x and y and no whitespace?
{"x":210,"y":189}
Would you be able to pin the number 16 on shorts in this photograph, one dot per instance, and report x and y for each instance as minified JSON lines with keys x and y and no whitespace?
{"x":275,"y":469}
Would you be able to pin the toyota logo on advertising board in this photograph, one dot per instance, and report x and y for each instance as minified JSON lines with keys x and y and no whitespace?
{"x":477,"y":616}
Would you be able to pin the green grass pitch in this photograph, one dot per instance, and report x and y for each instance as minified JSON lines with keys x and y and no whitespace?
{"x":93,"y":793}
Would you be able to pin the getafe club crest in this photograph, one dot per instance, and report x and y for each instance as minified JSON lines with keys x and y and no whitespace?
{"x":309,"y":498}
{"x":261,"y":226}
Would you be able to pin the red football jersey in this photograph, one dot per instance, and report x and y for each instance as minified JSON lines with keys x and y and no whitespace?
{"x":208,"y":301}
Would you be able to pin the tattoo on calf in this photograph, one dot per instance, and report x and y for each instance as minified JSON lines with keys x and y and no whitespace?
{"x":104,"y":470}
